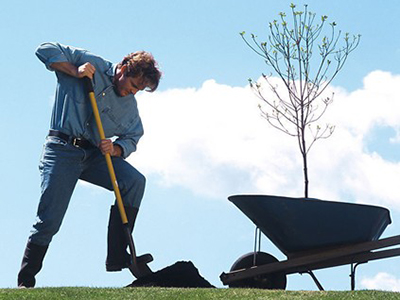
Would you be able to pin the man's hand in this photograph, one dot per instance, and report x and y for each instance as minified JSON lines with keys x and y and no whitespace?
{"x":107,"y":146}
{"x":87,"y":69}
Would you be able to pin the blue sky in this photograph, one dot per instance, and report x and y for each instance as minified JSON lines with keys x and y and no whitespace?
{"x":204,"y":137}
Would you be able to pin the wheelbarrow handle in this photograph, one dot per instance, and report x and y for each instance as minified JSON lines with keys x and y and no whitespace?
{"x":89,"y":88}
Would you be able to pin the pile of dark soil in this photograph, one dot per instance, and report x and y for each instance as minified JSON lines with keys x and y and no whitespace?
{"x":181,"y":274}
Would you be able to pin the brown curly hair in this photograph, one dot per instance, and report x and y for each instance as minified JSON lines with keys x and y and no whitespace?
{"x":142,"y":64}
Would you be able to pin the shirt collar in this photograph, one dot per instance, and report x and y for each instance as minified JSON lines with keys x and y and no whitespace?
{"x":111,"y":71}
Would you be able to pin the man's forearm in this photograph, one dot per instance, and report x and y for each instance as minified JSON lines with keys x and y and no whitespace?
{"x":65,"y":67}
{"x":79,"y":72}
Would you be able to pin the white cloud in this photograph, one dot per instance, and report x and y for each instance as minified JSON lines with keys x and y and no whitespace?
{"x":213,"y":141}
{"x":382,"y":281}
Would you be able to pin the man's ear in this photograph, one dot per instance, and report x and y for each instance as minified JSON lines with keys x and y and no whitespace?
{"x":120,"y":71}
{"x":123,"y":69}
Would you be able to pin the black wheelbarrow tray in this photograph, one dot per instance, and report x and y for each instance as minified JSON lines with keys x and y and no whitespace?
{"x":313,"y":234}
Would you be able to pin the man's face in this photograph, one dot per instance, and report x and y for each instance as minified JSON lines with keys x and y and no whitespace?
{"x":125,"y":85}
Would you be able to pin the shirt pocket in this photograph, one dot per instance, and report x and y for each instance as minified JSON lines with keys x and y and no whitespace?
{"x":111,"y":122}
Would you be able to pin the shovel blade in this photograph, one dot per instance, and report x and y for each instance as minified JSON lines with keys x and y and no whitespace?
{"x":139,"y":267}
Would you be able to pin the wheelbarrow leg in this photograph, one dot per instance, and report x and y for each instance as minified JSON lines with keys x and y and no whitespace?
{"x":319,"y":285}
{"x":353,"y":274}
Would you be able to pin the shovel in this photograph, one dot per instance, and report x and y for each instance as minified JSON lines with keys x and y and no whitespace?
{"x":139,"y":267}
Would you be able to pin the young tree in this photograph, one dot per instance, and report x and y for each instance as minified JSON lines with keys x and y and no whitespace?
{"x":306,"y":61}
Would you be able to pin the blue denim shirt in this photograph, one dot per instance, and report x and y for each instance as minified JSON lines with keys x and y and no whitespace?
{"x":72,"y":113}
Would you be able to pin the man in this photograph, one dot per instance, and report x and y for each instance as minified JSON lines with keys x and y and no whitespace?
{"x":73,"y":149}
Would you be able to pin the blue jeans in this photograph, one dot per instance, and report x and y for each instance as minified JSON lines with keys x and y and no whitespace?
{"x":61,"y":165}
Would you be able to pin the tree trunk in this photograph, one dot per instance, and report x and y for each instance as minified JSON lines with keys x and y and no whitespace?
{"x":305,"y":170}
{"x":305,"y":167}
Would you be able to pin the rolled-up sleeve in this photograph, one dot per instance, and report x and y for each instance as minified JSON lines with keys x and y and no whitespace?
{"x":128,"y":142}
{"x":49,"y":53}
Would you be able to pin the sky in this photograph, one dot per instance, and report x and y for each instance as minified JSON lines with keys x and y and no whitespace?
{"x":204,"y":137}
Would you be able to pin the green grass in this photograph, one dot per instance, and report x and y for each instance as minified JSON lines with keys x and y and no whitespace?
{"x":85,"y":293}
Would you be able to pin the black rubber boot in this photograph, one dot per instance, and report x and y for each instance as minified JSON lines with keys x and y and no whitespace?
{"x":31,"y":264}
{"x":117,"y":256}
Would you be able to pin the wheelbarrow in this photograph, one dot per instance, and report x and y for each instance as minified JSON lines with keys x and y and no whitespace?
{"x":313,"y":234}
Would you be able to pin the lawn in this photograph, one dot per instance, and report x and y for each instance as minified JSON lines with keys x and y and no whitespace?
{"x":86,"y":293}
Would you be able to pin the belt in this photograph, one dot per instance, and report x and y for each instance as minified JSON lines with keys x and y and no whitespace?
{"x":77,"y":142}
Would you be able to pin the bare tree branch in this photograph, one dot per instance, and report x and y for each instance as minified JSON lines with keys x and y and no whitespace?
{"x":289,"y":51}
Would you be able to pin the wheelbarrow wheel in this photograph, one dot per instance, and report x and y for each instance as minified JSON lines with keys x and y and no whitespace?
{"x":268,"y":281}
